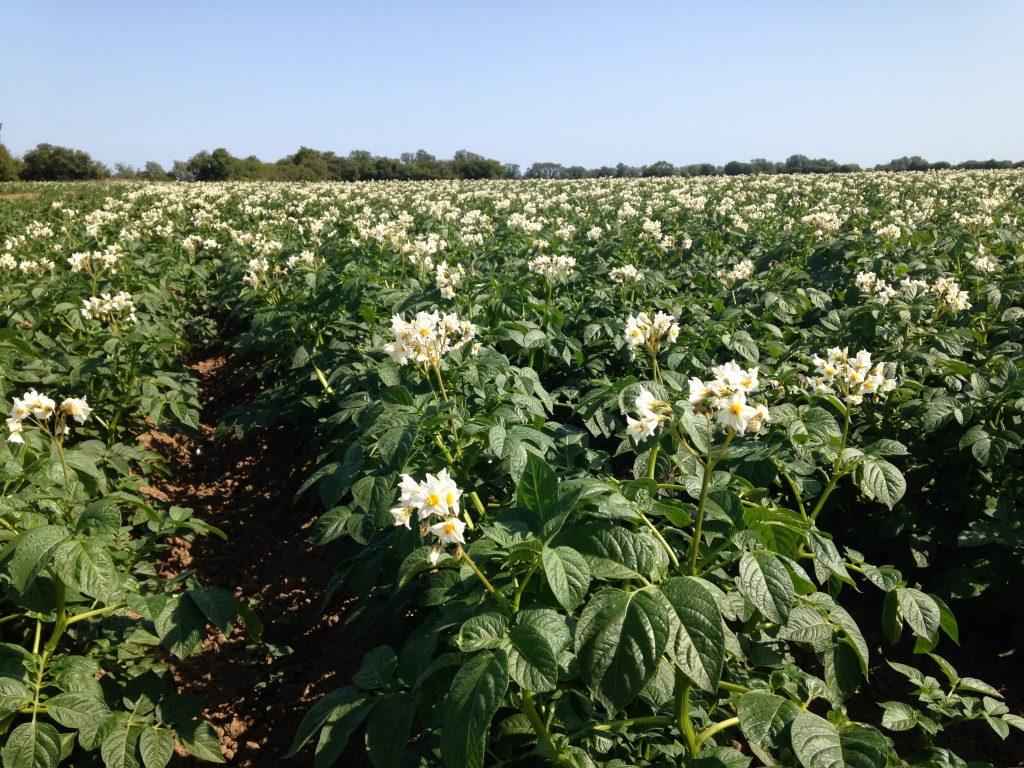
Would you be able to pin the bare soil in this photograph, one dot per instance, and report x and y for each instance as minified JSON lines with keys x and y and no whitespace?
{"x":20,"y":196}
{"x":255,"y":694}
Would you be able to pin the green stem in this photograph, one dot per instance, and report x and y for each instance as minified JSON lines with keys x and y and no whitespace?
{"x":502,"y":600}
{"x":733,"y":687}
{"x":529,"y":708}
{"x":652,"y":462}
{"x":836,"y":467}
{"x":796,"y":493}
{"x":660,"y":538}
{"x":93,"y":613}
{"x":705,"y":486}
{"x":653,"y":721}
{"x":522,"y":587}
{"x":682,"y":709}
{"x":711,"y":730}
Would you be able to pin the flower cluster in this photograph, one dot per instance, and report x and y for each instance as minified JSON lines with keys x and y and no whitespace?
{"x":38,"y":409}
{"x":554,"y":268}
{"x":303,"y":259}
{"x":109,"y":308}
{"x":642,"y":331}
{"x":428,"y":337}
{"x":96,"y":262}
{"x":256,"y":272}
{"x":854,"y":376}
{"x":626,"y":274}
{"x":725,"y":396}
{"x":447,"y":278}
{"x":652,"y":413}
{"x":869,"y":282}
{"x":950,"y":295}
{"x":744,"y":270}
{"x":436,"y":498}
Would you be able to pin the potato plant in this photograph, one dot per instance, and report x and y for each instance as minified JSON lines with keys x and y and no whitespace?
{"x":606,"y":462}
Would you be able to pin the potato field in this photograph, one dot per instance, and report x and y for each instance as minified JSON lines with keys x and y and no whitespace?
{"x":713,"y":472}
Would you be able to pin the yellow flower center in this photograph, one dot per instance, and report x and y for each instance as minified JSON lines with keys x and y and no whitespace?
{"x":450,"y":498}
{"x":736,"y":409}
{"x":432,"y":500}
{"x":449,"y":527}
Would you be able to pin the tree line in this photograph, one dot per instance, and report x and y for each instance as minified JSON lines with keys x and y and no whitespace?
{"x":48,"y":162}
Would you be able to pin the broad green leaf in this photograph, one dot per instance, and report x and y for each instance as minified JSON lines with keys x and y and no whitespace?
{"x":764,"y":716}
{"x":181,"y":626}
{"x":218,"y":605}
{"x":619,"y":640}
{"x":568,"y":575}
{"x":120,"y":746}
{"x":470,"y":704}
{"x":14,"y":695}
{"x":32,"y":745}
{"x":537,"y":489}
{"x":614,"y":552}
{"x":387,"y":728}
{"x":882,"y":481}
{"x":336,"y":704}
{"x":77,"y":710}
{"x":156,"y":747}
{"x":378,"y":669}
{"x":898,"y":716}
{"x":33,"y":553}
{"x":765,"y":581}
{"x":532,"y":662}
{"x":697,"y":645}
{"x":819,"y":744}
{"x":200,"y":740}
{"x":919,"y":610}
{"x":485,"y":630}
{"x":85,"y":565}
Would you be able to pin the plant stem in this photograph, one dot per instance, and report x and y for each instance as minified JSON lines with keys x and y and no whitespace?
{"x":836,"y":467}
{"x":529,"y":709}
{"x":698,"y":526}
{"x":682,"y":707}
{"x":654,"y":721}
{"x":660,"y":538}
{"x":711,"y":730}
{"x":502,"y":601}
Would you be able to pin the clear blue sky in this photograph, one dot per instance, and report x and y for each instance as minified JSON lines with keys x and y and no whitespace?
{"x":586,"y":83}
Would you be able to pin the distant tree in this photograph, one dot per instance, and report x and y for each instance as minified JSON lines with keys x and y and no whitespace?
{"x":736,"y":168}
{"x":603,"y":172}
{"x":125,"y":171}
{"x":660,"y":168}
{"x":940,"y":166}
{"x":10,"y":166}
{"x":512,"y":171}
{"x":153,"y":170}
{"x":623,"y":171}
{"x":762,"y":165}
{"x":915,"y":163}
{"x":469,"y":165}
{"x":575,"y":172}
{"x":545,"y":170}
{"x":180,"y":171}
{"x":52,"y":163}
{"x":849,"y":168}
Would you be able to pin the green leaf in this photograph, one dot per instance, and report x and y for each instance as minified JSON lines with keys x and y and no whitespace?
{"x":85,"y":565}
{"x":14,"y":695}
{"x":568,"y":575}
{"x":470,"y":704}
{"x":395,"y":446}
{"x":764,"y":716}
{"x":218,"y":605}
{"x":200,"y":740}
{"x":898,"y":716}
{"x":882,"y":481}
{"x":819,"y":744}
{"x":537,"y":489}
{"x":378,"y":669}
{"x":920,"y":611}
{"x":33,"y":553}
{"x":338,"y":704}
{"x":485,"y":630}
{"x":614,"y":552}
{"x":181,"y":626}
{"x":387,"y":728}
{"x":119,"y":746}
{"x":330,"y":525}
{"x":32,"y":745}
{"x":826,"y":553}
{"x":77,"y":710}
{"x":765,"y":581}
{"x":532,"y":662}
{"x":156,"y":747}
{"x":697,"y":645}
{"x":619,"y":640}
